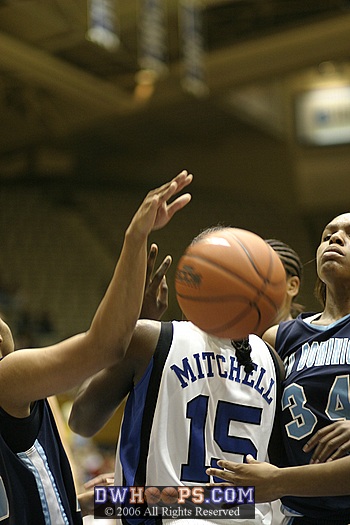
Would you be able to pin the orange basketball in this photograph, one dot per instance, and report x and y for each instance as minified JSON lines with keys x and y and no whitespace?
{"x":169,"y":495}
{"x":152,"y":495}
{"x":230,"y":283}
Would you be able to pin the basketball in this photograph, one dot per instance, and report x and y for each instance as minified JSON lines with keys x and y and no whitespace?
{"x":152,"y":495}
{"x":169,"y":495}
{"x":230,"y":283}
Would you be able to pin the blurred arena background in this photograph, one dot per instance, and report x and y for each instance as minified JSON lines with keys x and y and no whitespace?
{"x":101,"y":101}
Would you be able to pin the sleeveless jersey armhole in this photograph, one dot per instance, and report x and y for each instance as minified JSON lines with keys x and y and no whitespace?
{"x":275,"y":449}
{"x":159,"y":358}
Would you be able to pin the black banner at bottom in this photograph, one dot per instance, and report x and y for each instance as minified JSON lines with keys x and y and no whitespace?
{"x":135,"y":504}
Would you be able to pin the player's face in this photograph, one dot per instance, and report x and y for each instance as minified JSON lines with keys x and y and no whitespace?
{"x":6,"y":340}
{"x":333,"y":253}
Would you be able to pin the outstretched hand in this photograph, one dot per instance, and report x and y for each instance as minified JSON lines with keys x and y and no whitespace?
{"x":331,"y":442}
{"x":155,"y":299}
{"x":251,"y":474}
{"x":155,"y":212}
{"x":86,"y":499}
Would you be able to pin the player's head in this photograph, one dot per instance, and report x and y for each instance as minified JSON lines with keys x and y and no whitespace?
{"x":294,"y":272}
{"x":337,"y":233}
{"x":208,"y":231}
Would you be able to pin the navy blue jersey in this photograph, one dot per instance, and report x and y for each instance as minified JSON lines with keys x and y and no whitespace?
{"x":316,"y":393}
{"x":36,"y":484}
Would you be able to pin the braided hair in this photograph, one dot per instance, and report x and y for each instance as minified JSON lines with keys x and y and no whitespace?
{"x":289,"y":257}
{"x":292,"y":265}
{"x":243,"y":351}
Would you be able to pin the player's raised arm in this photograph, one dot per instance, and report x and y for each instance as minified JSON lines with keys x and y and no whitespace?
{"x":99,"y":396}
{"x":37,"y":373}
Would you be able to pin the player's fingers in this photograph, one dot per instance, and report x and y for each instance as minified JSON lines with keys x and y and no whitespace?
{"x":164,"y":188}
{"x":174,"y":188}
{"x":168,"y":189}
{"x":250,"y":459}
{"x":163,"y":295}
{"x":177,"y":184}
{"x":229,"y":465}
{"x":341,"y":451}
{"x":178,"y":204}
{"x":92,"y":482}
{"x":321,"y":453}
{"x":325,"y":449}
{"x":102,"y":479}
{"x":221,"y":474}
{"x":326,"y":441}
{"x":151,"y":259}
{"x":183,"y":180}
{"x":166,"y":211}
{"x":157,"y":285}
{"x":211,"y":471}
{"x":315,"y":439}
{"x":161,"y":272}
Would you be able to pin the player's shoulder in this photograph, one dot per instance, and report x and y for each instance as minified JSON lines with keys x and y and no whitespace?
{"x":291,"y":328}
{"x":270,"y":335}
{"x":146,"y":333}
{"x":260,"y":347}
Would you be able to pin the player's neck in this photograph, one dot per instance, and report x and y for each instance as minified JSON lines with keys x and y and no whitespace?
{"x":333,"y":312}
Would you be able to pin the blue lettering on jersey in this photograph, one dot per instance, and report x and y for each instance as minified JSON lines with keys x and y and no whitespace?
{"x":186,"y":372}
{"x":334,"y":351}
{"x":209,"y":364}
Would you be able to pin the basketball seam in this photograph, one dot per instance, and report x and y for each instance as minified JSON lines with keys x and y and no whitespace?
{"x":230,"y":272}
{"x":251,"y":260}
{"x":251,"y":297}
{"x":239,"y":317}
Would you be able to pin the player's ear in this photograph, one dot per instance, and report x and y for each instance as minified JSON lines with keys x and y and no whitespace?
{"x":293,"y":285}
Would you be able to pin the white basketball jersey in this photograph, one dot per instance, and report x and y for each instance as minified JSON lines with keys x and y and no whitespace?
{"x":194,"y":406}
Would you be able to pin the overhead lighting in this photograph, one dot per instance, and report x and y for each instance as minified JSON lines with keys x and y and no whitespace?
{"x":322,"y":116}
{"x":193,"y":47}
{"x":153,"y":34}
{"x":103,"y":27}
